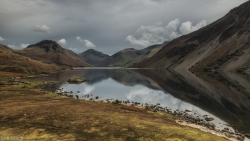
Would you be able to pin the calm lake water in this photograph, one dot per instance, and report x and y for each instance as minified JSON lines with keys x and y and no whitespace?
{"x":225,"y":97}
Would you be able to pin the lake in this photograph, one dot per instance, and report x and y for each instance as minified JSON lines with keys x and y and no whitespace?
{"x":224,"y":96}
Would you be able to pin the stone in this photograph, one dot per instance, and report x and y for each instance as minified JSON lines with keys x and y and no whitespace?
{"x":209,"y":118}
{"x":211,"y":124}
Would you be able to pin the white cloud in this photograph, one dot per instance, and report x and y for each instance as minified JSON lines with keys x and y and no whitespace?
{"x":1,"y":39}
{"x":88,"y":89}
{"x":78,"y":38}
{"x":24,"y":45}
{"x":158,"y":33}
{"x":140,"y":42}
{"x":73,"y":49}
{"x":187,"y":27}
{"x":62,"y":42}
{"x":12,"y":46}
{"x":87,"y":43}
{"x":41,"y":28}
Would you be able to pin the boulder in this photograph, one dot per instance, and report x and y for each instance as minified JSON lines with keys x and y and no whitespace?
{"x":209,"y":118}
{"x":211,"y":125}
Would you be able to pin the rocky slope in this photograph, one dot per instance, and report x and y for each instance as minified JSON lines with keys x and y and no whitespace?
{"x":93,"y":57}
{"x":50,"y":52}
{"x":11,"y":62}
{"x":130,"y":56}
{"x":223,"y":45}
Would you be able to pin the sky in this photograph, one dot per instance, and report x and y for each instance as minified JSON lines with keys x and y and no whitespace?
{"x":105,"y":25}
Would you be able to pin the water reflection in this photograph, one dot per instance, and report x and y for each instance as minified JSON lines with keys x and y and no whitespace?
{"x":212,"y":94}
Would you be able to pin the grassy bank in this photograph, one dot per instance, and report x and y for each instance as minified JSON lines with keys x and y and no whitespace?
{"x":31,"y":114}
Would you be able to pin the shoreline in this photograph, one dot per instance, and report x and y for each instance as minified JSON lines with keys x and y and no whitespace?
{"x":128,"y":105}
{"x":207,"y":130}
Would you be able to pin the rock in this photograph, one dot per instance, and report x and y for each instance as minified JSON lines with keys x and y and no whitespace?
{"x":228,"y":135}
{"x":226,"y":129}
{"x":209,"y":118}
{"x":205,"y":116}
{"x":211,"y":124}
{"x":240,"y":138}
{"x":77,"y":97}
{"x":77,"y":80}
{"x":197,"y":118}
{"x":247,"y":135}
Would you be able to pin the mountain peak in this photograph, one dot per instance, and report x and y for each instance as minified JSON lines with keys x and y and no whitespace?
{"x":93,"y":57}
{"x":48,"y":46}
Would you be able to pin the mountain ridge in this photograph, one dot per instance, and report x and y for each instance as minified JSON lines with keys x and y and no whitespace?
{"x":129,"y":56}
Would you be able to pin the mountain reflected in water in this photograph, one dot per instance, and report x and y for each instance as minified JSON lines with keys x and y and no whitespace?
{"x":224,"y":96}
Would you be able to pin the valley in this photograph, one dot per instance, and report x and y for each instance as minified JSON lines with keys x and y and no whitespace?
{"x":177,"y":81}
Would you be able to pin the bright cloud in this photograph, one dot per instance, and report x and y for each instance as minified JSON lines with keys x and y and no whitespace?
{"x":1,"y":39}
{"x":158,"y":33}
{"x":41,"y":28}
{"x":24,"y":45}
{"x":87,"y":43}
{"x":62,"y":42}
{"x":187,"y":27}
{"x":12,"y":46}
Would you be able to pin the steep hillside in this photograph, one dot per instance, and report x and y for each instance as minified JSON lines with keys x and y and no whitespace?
{"x":93,"y":57}
{"x":11,"y":62}
{"x":223,"y":45}
{"x":130,"y":56}
{"x":49,"y":51}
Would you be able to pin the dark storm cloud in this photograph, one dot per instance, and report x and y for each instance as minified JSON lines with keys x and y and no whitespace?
{"x":109,"y":25}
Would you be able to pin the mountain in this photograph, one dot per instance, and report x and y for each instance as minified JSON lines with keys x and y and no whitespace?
{"x":93,"y":57}
{"x":11,"y":62}
{"x":130,"y":56}
{"x":222,"y":45}
{"x":51,"y":52}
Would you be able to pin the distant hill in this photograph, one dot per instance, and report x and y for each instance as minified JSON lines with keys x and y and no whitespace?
{"x":5,"y":47}
{"x":49,"y":51}
{"x":127,"y":57}
{"x":11,"y":62}
{"x":93,"y":57}
{"x":222,"y":45}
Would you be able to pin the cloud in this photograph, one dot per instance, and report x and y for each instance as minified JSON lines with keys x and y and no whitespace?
{"x":73,"y":49}
{"x":78,"y":38}
{"x":87,"y":43}
{"x":88,"y":89}
{"x":1,"y":39}
{"x":12,"y":46}
{"x":41,"y":28}
{"x":24,"y":45}
{"x":158,"y":33}
{"x":187,"y":27}
{"x":62,"y":42}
